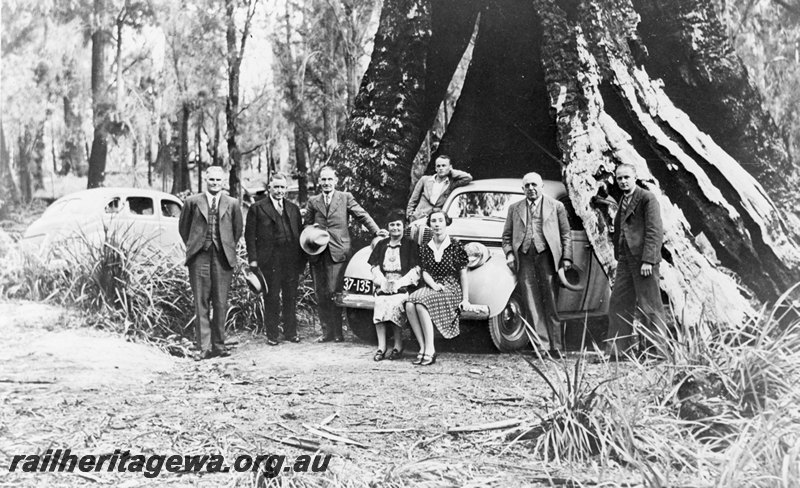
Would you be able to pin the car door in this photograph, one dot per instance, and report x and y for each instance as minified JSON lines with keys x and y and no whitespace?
{"x":170,"y":238}
{"x":139,"y":223}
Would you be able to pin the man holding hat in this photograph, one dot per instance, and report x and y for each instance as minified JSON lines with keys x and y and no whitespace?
{"x":536,"y":242}
{"x":328,"y":241}
{"x":272,"y":235}
{"x":210,"y":225}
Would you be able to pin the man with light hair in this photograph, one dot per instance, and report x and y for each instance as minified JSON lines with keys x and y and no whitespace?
{"x":210,"y":225}
{"x":536,"y":242}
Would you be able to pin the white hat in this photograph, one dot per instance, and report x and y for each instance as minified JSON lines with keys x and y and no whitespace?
{"x":314,"y":240}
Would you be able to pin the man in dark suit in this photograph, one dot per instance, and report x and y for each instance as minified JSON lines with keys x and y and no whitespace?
{"x":330,"y":211}
{"x":210,"y":225}
{"x":638,"y":235}
{"x":272,"y":235}
{"x":431,"y":192}
{"x":536,"y":241}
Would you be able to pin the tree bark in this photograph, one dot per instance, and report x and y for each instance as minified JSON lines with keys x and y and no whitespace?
{"x":417,"y":48}
{"x":100,"y":103}
{"x":565,"y":87}
{"x":234,"y":56}
{"x":7,"y":184}
{"x":180,"y":166}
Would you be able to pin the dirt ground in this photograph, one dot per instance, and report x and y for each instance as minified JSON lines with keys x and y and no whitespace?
{"x":63,"y":386}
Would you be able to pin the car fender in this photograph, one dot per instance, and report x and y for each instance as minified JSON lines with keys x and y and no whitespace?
{"x":491,"y":284}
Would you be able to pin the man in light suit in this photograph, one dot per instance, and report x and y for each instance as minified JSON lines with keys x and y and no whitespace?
{"x":431,"y":192}
{"x":272,"y":235}
{"x":210,"y":225}
{"x":536,"y":242}
{"x":638,"y":235}
{"x":330,"y":210}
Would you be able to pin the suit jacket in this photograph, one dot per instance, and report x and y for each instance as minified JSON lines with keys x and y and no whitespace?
{"x":335,"y":221}
{"x":262,"y":234}
{"x":555,"y":226}
{"x":420,"y":205}
{"x":193,"y":225}
{"x":642,"y":227}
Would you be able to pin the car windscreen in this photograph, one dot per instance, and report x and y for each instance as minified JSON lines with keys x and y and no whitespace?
{"x":483,"y":204}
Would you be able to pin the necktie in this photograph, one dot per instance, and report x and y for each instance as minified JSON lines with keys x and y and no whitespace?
{"x":328,"y":200}
{"x":280,"y":206}
{"x":214,"y":205}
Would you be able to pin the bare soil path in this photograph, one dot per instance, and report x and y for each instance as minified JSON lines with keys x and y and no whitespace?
{"x":62,"y":386}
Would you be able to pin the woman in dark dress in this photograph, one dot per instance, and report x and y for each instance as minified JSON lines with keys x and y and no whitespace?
{"x":443,"y":263}
{"x":395,"y":273}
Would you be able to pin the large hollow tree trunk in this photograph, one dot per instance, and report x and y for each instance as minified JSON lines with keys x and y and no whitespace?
{"x":571,"y":89}
{"x":411,"y":66}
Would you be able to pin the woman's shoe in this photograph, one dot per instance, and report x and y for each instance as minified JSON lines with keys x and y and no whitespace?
{"x":428,"y":360}
{"x":420,"y":358}
{"x":379,"y":355}
{"x":395,"y":354}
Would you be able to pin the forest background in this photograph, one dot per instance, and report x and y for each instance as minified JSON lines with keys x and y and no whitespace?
{"x":146,"y":93}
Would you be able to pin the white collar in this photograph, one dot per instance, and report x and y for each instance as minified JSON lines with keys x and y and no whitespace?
{"x":210,"y":198}
{"x":438,"y":253}
{"x":275,"y":202}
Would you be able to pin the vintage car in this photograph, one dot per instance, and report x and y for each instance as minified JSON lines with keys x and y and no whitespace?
{"x":149,"y":216}
{"x":479,"y":211}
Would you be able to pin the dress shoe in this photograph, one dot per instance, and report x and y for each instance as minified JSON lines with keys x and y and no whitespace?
{"x":272,"y":342}
{"x":222,"y":353}
{"x":201,"y":355}
{"x":428,"y":360}
{"x":294,"y":339}
{"x":325,"y":339}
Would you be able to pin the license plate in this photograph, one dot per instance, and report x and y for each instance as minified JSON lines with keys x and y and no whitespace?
{"x":359,"y":285}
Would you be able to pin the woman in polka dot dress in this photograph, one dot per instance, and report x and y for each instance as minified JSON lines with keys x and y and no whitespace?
{"x":443,"y":262}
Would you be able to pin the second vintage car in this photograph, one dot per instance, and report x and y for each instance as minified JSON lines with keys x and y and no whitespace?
{"x":479,"y":211}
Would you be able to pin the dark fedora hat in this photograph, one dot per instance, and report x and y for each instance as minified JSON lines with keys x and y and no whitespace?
{"x":255,"y":280}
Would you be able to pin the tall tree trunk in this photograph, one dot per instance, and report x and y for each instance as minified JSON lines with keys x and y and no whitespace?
{"x":234,"y":56}
{"x":564,"y":87}
{"x":164,"y":154}
{"x":417,"y":49}
{"x":73,"y":157}
{"x":296,"y":116}
{"x":180,"y":165}
{"x":100,"y":103}
{"x":7,"y":184}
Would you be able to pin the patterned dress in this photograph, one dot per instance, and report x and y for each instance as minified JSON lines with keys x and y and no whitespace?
{"x":442,"y":305}
{"x":399,"y":264}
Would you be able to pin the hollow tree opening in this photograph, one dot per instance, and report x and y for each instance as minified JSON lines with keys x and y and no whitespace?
{"x":572,"y":88}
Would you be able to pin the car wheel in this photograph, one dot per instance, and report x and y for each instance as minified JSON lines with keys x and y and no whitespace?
{"x":508,"y":327}
{"x":360,"y":323}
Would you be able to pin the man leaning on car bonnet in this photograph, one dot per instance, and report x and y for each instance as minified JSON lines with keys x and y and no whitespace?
{"x":210,"y":225}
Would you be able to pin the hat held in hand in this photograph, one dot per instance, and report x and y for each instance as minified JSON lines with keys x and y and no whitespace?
{"x":314,"y":240}
{"x":255,"y":280}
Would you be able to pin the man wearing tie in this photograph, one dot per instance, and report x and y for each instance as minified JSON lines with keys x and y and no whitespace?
{"x":330,"y":211}
{"x":637,"y":239}
{"x":536,"y":241}
{"x":272,"y":235}
{"x":210,"y":225}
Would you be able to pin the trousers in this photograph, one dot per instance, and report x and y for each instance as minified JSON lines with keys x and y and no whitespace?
{"x":328,"y":279}
{"x":210,"y":278}
{"x":632,"y":292}
{"x":535,"y":276}
{"x":280,"y":300}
